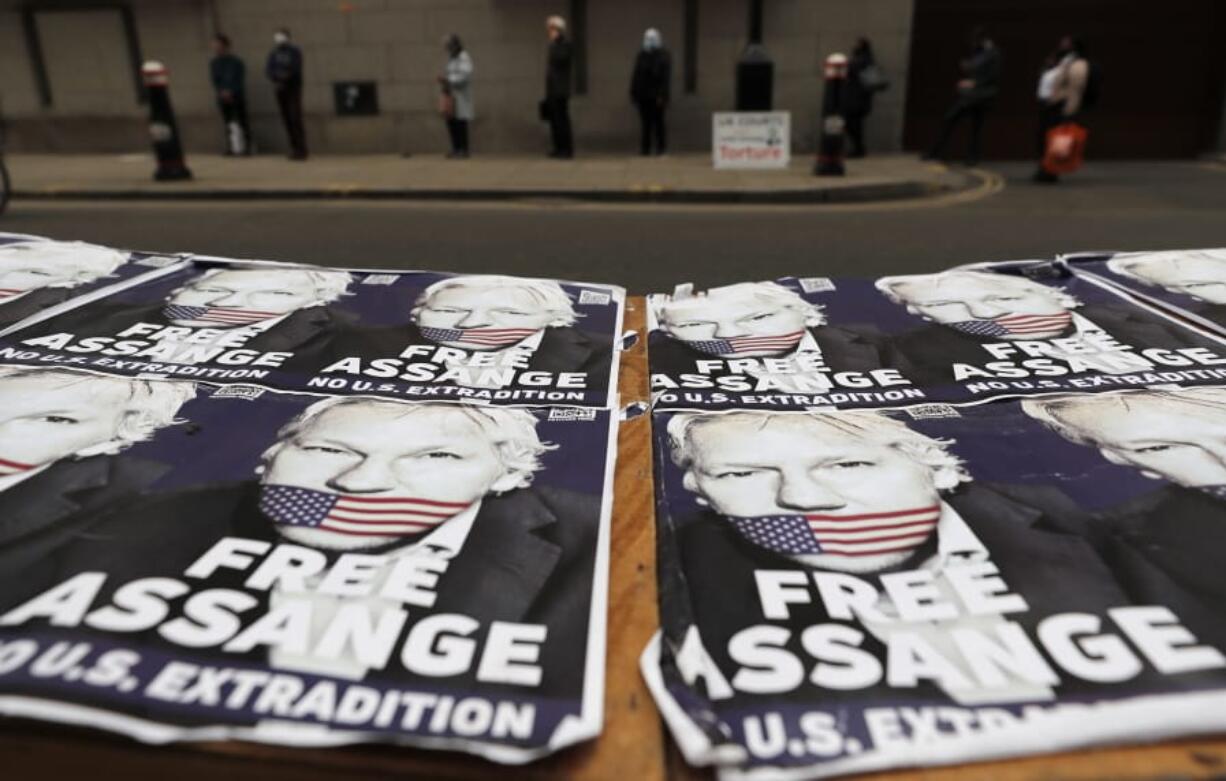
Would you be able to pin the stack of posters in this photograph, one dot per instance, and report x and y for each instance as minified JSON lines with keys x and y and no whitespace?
{"x":934,"y":518}
{"x":311,"y":506}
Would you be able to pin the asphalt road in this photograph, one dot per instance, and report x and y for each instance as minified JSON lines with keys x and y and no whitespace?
{"x":1122,"y":206}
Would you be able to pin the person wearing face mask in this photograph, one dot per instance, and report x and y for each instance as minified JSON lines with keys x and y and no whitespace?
{"x":1198,"y":275}
{"x":649,"y":90}
{"x":967,"y":309}
{"x":36,"y":274}
{"x":456,"y":83}
{"x":448,"y":484}
{"x":277,"y":309}
{"x":61,"y":437}
{"x":1166,"y":544}
{"x":284,"y":70}
{"x":860,"y":493}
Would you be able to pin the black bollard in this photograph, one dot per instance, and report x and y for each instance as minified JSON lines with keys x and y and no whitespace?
{"x":163,"y":130}
{"x":830,"y":147}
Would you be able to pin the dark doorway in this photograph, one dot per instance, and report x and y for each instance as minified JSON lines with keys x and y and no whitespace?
{"x":1163,"y":66}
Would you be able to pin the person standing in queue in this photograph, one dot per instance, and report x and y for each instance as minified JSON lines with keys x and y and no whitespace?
{"x":457,"y":98}
{"x":228,"y":74}
{"x":556,"y":107}
{"x":284,"y":70}
{"x":649,"y":89}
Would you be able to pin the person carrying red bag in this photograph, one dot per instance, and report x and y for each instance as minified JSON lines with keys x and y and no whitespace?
{"x":1061,"y":137}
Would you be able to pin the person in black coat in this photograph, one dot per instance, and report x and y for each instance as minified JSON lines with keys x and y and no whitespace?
{"x":284,"y":70}
{"x":228,"y":75}
{"x":976,"y":91}
{"x":448,"y":482}
{"x":969,"y":309}
{"x":36,"y":274}
{"x":485,"y":316}
{"x":1200,"y":274}
{"x":556,"y":105}
{"x":1166,"y":544}
{"x":860,"y":493}
{"x":649,"y":89}
{"x":61,"y":436}
{"x":857,"y":96}
{"x":756,"y":320}
{"x":284,"y":310}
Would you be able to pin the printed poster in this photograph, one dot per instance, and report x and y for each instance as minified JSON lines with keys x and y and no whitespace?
{"x":182,"y":560}
{"x":853,"y":590}
{"x":966,"y":335}
{"x":1190,"y":283}
{"x":421,"y":336}
{"x":40,"y":275}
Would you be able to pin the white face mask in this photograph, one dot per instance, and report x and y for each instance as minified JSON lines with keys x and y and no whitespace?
{"x":280,"y":38}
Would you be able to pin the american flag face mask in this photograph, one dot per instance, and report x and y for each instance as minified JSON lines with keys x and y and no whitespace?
{"x":8,"y":467}
{"x":1016,"y":325}
{"x":221,"y":315}
{"x":358,"y":516}
{"x":746,"y":344}
{"x":9,"y":292}
{"x":480,"y":337}
{"x":864,"y":534}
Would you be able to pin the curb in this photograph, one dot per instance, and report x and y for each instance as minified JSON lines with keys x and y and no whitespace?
{"x":886,"y":191}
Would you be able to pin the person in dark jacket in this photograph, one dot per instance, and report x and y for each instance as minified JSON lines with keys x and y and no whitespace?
{"x":284,"y":70}
{"x":649,"y":89}
{"x":228,"y":75}
{"x":557,"y":89}
{"x":36,"y":274}
{"x":976,"y":91}
{"x":857,"y":97}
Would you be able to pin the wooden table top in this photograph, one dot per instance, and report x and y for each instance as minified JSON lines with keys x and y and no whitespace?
{"x":633,"y":745}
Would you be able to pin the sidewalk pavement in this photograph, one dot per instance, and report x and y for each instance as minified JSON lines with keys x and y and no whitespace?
{"x":687,"y":178}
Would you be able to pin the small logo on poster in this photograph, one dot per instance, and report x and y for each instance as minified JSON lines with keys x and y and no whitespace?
{"x":379,"y":279}
{"x":248,"y":392}
{"x":592,"y":297}
{"x":572,"y":414}
{"x":922,"y":411}
{"x":816,"y":284}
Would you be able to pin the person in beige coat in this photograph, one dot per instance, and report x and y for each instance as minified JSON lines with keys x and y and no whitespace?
{"x":1065,"y":91}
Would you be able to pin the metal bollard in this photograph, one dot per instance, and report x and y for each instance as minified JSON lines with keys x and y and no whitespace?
{"x":163,"y":130}
{"x":830,"y":147}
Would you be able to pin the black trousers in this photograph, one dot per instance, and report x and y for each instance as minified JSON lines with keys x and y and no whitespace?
{"x":976,"y":112}
{"x":235,"y":111}
{"x":289,"y":100}
{"x":561,"y":141}
{"x":457,"y":129}
{"x":651,"y":115}
{"x":853,"y":124}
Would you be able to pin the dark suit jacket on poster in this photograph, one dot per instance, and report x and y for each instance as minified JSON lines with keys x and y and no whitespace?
{"x":929,"y":352}
{"x":32,"y":303}
{"x":1167,"y":548}
{"x":843,"y":349}
{"x":1024,"y":528}
{"x":299,"y":329}
{"x":565,"y":349}
{"x":529,"y":558}
{"x":42,"y":515}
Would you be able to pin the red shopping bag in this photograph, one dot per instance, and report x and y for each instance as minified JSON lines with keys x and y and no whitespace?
{"x":1066,"y":147}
